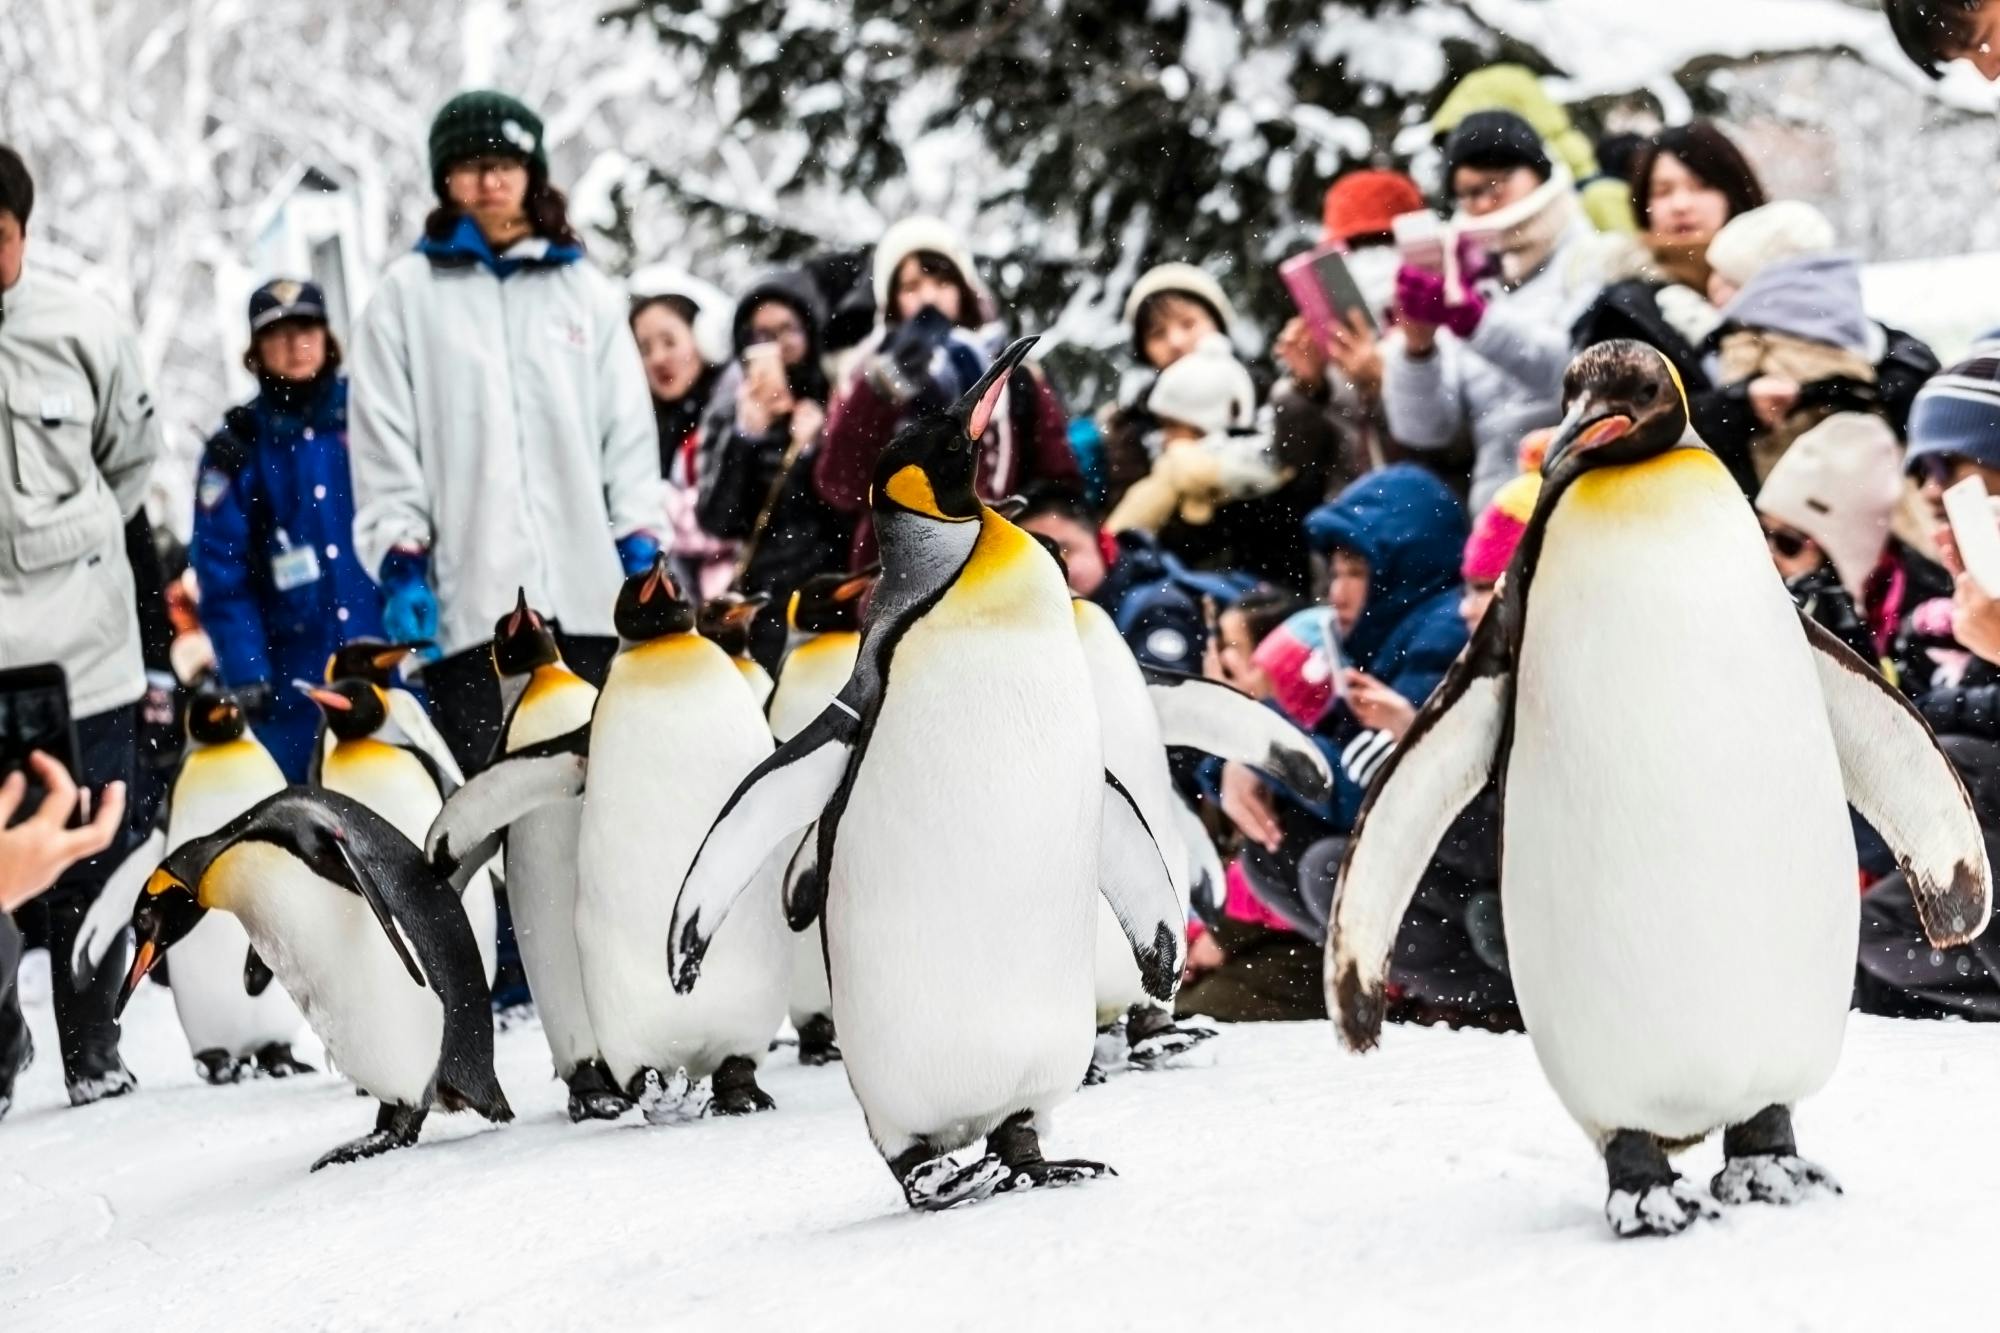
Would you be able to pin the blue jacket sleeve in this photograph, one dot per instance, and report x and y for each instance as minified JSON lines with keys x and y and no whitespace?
{"x":225,"y":564}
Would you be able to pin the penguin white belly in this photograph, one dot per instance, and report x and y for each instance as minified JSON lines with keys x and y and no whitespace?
{"x":1134,"y":751}
{"x":542,"y":854}
{"x":383,"y":1030}
{"x":1678,"y":877}
{"x":961,"y":911}
{"x":218,"y":783}
{"x":674,"y":734}
{"x":812,"y":674}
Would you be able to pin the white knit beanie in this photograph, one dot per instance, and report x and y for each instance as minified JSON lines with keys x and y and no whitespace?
{"x":912,"y":235}
{"x":1178,"y":278}
{"x":1839,"y":484}
{"x":1207,"y":389}
{"x":1751,"y":242}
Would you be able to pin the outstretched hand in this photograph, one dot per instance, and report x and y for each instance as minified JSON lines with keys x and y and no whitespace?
{"x":38,"y":849}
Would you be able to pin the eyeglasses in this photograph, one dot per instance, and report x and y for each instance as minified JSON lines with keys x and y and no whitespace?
{"x":777,"y":333}
{"x":1483,"y":192}
{"x":1785,"y":542}
{"x":1935,"y":468}
{"x":481,"y":167}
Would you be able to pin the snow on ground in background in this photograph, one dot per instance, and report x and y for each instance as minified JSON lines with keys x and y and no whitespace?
{"x":1433,"y":1185}
{"x":1948,"y":302}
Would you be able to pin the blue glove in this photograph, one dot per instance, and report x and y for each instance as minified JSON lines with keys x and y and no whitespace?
{"x":637,"y":553}
{"x":409,"y":607}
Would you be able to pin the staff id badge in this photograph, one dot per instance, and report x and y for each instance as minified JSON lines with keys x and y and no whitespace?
{"x":294,"y":567}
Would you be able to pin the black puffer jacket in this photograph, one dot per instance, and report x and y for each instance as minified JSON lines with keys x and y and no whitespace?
{"x":739,"y":473}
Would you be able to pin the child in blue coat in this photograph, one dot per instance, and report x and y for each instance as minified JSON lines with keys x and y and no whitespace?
{"x":274,"y":525}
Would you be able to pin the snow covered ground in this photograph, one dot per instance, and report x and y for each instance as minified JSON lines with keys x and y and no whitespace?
{"x":1434,"y":1185}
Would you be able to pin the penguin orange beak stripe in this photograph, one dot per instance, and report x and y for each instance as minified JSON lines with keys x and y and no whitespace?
{"x":143,"y":959}
{"x":328,"y":699}
{"x":855,"y":586}
{"x":1602,"y":431}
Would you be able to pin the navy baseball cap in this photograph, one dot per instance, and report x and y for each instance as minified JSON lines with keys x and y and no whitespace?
{"x":285,"y":298}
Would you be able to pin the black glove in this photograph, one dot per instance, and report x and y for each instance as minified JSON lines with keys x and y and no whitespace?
{"x":916,"y":340}
{"x":255,"y":699}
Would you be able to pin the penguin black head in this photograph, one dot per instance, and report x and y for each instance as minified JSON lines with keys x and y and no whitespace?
{"x":724,"y":620}
{"x":522,"y":640}
{"x":1623,"y":402}
{"x":650,"y":606}
{"x":167,"y":910}
{"x":829,"y":603}
{"x":214,"y":718}
{"x":929,"y":467}
{"x":354,"y":708}
{"x":368,"y":659}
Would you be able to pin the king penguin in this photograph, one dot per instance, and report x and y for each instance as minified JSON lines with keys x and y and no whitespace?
{"x":1676,"y":748}
{"x":373,"y":760}
{"x":375,"y":661}
{"x":724,"y":620}
{"x":673,"y":734}
{"x":529,"y":800}
{"x":823,"y":624}
{"x":966,"y":823}
{"x":372,"y":945}
{"x":236,"y":1023}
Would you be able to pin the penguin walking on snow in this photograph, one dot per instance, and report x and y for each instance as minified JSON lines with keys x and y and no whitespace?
{"x":529,"y":800}
{"x":1676,"y":748}
{"x":372,"y":759}
{"x":724,"y":620}
{"x":236,"y":1022}
{"x":372,"y":945}
{"x":824,"y":620}
{"x":966,"y":824}
{"x":1141,"y":713}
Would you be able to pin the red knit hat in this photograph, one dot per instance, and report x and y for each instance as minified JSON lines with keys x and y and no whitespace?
{"x":1364,"y":203}
{"x":1497,"y":531}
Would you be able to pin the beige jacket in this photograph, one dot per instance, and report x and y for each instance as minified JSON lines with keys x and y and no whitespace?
{"x":77,"y":440}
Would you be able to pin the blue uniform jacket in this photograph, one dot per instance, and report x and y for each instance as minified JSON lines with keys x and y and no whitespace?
{"x":274,"y":551}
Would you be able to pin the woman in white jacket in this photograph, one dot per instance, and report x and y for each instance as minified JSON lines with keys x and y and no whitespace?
{"x":501,"y":432}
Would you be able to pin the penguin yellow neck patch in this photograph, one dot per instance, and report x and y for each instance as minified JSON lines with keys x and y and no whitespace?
{"x":1001,"y":579}
{"x":1653,"y":485}
{"x":911,"y":488}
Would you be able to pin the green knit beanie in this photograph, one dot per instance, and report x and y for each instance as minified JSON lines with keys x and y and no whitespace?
{"x":479,"y":123}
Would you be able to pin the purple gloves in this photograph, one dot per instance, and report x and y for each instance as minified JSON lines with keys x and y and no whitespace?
{"x":1420,"y":298}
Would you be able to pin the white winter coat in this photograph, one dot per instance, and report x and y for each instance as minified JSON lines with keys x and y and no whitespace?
{"x":505,"y":426}
{"x":78,"y":436}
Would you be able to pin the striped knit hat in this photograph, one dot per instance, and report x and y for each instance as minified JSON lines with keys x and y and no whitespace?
{"x":1497,"y":531}
{"x":1957,"y":412}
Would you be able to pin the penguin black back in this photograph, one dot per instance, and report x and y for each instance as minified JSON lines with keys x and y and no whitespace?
{"x":522,"y":640}
{"x":214,"y":718}
{"x":650,"y":606}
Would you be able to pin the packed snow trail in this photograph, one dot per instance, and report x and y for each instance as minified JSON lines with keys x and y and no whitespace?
{"x":1435,"y":1184}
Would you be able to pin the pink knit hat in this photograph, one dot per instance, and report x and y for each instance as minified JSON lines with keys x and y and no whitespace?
{"x":1302,"y":658}
{"x":1497,"y":531}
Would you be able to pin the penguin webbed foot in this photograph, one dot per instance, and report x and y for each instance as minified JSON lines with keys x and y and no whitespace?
{"x":218,"y":1068}
{"x":733,"y":1089}
{"x":1108,"y":1055}
{"x":1761,"y":1163}
{"x":933,"y":1182}
{"x":277,"y":1061}
{"x":669,"y":1100}
{"x":1018,"y":1147}
{"x":593,"y":1095}
{"x":816,"y":1042}
{"x":1156,"y":1039}
{"x":1648,"y":1198}
{"x":395,"y":1127}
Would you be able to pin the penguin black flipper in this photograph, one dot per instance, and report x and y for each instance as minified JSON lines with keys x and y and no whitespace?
{"x":805,"y":887}
{"x":1218,"y":719}
{"x":467,"y":832}
{"x":350,"y":845}
{"x":1451,"y":751}
{"x":1133,"y":877}
{"x":1903,"y":784}
{"x":785,"y":793}
{"x":256,"y":973}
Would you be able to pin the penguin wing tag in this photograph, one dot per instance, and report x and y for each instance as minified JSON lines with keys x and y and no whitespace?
{"x":1209,"y":716}
{"x":1903,"y":784}
{"x":104,"y":924}
{"x":1133,"y":877}
{"x":358,"y":880}
{"x":782,"y":795}
{"x":256,"y":973}
{"x":1447,"y":757}
{"x":467,"y":831}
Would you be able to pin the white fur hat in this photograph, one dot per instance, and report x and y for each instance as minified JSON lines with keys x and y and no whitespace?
{"x":1839,"y":484}
{"x":1178,"y":278}
{"x":908,"y":237}
{"x":1207,"y":389}
{"x":1751,"y":242}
